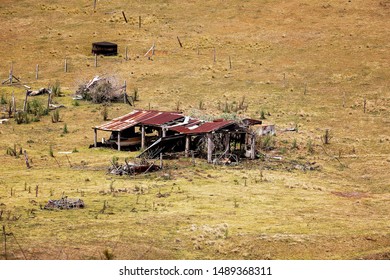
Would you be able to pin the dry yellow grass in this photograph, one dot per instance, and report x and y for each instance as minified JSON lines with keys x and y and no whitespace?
{"x":307,"y":63}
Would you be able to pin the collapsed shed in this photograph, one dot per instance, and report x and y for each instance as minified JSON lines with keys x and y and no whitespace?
{"x":156,"y":132}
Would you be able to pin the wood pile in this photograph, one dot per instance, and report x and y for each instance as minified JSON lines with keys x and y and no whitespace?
{"x":64,"y":203}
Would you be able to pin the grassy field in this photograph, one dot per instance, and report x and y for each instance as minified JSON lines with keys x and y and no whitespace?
{"x":307,"y":64}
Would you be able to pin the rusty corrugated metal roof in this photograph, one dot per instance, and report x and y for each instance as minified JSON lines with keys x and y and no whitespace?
{"x":159,"y":118}
{"x":199,"y":127}
{"x":136,"y":117}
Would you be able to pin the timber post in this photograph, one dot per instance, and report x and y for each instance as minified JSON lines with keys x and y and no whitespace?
{"x":209,"y":147}
{"x":253,"y":145}
{"x":66,"y":65}
{"x":13,"y":103}
{"x":119,"y":140}
{"x":26,"y":159}
{"x":25,"y":102}
{"x":95,"y":138}
{"x":142,"y":137}
{"x":124,"y":92}
{"x":187,"y":148}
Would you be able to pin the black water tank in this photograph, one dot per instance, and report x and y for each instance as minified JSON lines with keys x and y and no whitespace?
{"x":104,"y":48}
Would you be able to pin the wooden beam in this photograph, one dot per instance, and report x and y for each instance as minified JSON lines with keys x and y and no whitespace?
{"x":142,"y":137}
{"x":164,"y":132}
{"x":187,"y":148}
{"x":209,"y":147}
{"x":227,"y":143}
{"x":95,"y":138}
{"x":253,"y":145}
{"x":119,"y":140}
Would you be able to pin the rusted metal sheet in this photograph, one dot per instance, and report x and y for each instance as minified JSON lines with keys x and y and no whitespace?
{"x":140,"y":117}
{"x":202,"y":128}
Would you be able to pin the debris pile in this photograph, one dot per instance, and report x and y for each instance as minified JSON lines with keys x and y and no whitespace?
{"x":130,"y":168}
{"x":64,"y":203}
{"x":101,"y":90}
{"x":39,"y":91}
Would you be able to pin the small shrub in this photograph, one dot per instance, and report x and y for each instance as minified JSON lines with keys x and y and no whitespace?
{"x":75,"y":150}
{"x":310,"y":147}
{"x":22,"y":117}
{"x":104,"y":112}
{"x":294,"y":145}
{"x":56,"y":89}
{"x":267,"y":143}
{"x":262,"y":115}
{"x":12,"y":151}
{"x":55,"y":117}
{"x":115,"y":160}
{"x":201,"y":105}
{"x":51,"y":153}
{"x":135,"y":94}
{"x":65,"y":130}
{"x":75,"y":103}
{"x":36,"y":108}
{"x":3,"y":100}
{"x":108,"y":255}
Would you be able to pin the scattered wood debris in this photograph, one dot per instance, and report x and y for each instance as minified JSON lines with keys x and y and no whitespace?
{"x":130,"y":168}
{"x":64,"y":203}
{"x":38,"y":92}
{"x":350,"y":194}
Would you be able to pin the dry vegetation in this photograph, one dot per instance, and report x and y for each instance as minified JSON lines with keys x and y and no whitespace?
{"x":309,"y":64}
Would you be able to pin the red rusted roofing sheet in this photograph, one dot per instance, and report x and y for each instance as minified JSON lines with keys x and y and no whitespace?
{"x":149,"y":117}
{"x":192,"y":123}
{"x":199,"y":127}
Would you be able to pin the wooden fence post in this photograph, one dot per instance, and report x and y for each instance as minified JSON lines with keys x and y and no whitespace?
{"x":11,"y":73}
{"x":124,"y":93}
{"x":124,"y":16}
{"x":66,"y":66}
{"x":37,"y":71}
{"x":178,"y":39}
{"x":139,"y":22}
{"x":5,"y":242}
{"x":364,"y":105}
{"x":96,"y":60}
{"x":13,"y":103}
{"x":25,"y":102}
